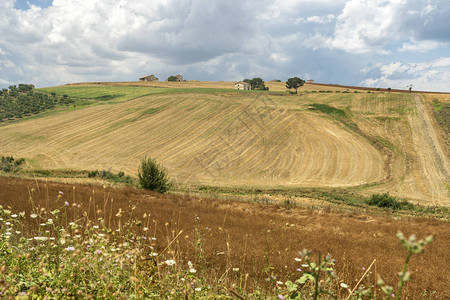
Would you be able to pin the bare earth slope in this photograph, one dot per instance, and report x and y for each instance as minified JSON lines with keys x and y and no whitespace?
{"x":250,"y":139}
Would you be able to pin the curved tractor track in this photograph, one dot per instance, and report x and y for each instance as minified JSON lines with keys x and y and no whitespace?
{"x":206,"y":139}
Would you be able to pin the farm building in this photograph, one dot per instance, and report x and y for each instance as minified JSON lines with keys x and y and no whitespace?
{"x":179,"y":78}
{"x":149,"y":78}
{"x":241,"y":85}
{"x":310,"y":81}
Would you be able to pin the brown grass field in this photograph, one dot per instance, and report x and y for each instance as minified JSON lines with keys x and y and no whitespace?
{"x":249,"y":139}
{"x":272,"y":238}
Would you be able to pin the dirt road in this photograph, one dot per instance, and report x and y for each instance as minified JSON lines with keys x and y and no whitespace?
{"x":432,"y":164}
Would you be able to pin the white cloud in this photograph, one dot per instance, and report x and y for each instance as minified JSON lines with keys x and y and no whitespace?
{"x":279,"y":58}
{"x":374,"y":26}
{"x":442,"y":62}
{"x":420,"y":46}
{"x":364,"y":26}
{"x":317,"y":19}
{"x":318,"y":41}
{"x":425,"y":76}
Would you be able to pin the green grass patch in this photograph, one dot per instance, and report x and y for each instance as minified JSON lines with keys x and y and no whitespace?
{"x":151,"y":111}
{"x":441,"y":112}
{"x":329,"y":110}
{"x":103,"y":93}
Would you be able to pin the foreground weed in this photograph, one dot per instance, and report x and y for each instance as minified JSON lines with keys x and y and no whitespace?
{"x":412,"y":246}
{"x":312,"y":278}
{"x":319,"y":277}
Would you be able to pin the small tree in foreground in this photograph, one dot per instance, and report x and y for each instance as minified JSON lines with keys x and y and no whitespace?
{"x":294,"y":83}
{"x":153,"y":176}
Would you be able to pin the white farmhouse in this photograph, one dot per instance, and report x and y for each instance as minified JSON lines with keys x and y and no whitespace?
{"x":241,"y":85}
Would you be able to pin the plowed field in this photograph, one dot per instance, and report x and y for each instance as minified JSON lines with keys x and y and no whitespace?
{"x":382,"y":143}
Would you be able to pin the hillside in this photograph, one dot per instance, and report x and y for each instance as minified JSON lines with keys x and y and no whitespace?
{"x":372,"y":142}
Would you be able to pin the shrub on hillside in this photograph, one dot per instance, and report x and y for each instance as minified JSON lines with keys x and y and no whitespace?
{"x":153,"y":176}
{"x":9,"y":164}
{"x":386,"y":200}
{"x":108,"y":175}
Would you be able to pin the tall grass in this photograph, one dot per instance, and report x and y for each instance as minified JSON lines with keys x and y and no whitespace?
{"x":65,"y":250}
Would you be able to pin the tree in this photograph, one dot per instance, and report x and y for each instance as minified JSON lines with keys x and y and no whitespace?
{"x":257,"y":84}
{"x":153,"y":176}
{"x":172,"y":78}
{"x":294,"y":83}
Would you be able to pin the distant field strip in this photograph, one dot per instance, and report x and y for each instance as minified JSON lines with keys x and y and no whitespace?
{"x":202,"y":138}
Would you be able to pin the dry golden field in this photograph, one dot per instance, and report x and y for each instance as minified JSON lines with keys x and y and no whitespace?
{"x":273,"y":86}
{"x":383,"y":142}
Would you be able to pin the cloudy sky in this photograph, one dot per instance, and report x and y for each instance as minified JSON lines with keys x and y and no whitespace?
{"x":379,"y":43}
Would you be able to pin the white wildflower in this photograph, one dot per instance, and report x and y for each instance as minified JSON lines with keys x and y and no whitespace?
{"x":170,"y":262}
{"x":191,"y":267}
{"x":344,"y":285}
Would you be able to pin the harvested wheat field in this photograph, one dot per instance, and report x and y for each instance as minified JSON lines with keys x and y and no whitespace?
{"x":265,"y":246}
{"x":214,"y":136}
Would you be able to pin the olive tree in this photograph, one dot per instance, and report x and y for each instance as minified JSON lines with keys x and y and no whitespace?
{"x":294,"y":83}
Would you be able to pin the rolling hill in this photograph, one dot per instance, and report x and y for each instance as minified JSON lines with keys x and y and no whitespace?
{"x":212,"y":135}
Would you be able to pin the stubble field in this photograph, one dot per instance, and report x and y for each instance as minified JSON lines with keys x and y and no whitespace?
{"x":209,"y":135}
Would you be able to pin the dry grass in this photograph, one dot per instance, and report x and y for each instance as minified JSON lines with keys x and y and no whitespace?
{"x":272,"y":238}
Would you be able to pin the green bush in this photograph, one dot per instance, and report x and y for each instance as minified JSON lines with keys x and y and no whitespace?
{"x":108,"y":175}
{"x":92,"y":174}
{"x":8,"y":164}
{"x":153,"y":176}
{"x":386,"y":200}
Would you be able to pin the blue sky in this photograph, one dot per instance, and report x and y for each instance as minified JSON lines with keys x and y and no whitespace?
{"x":379,"y":43}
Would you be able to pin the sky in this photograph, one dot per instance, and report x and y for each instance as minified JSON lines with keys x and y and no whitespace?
{"x":376,"y":43}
